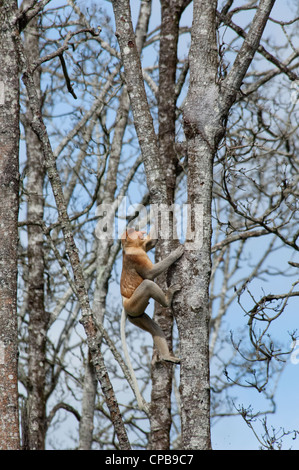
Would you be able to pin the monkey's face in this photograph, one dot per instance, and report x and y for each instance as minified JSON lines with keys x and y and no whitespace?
{"x":132,"y":237}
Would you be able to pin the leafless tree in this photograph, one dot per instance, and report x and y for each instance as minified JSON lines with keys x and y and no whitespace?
{"x":9,"y":189}
{"x":113,"y":109}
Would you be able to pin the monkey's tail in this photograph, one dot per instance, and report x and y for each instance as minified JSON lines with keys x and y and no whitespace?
{"x":143,"y":406}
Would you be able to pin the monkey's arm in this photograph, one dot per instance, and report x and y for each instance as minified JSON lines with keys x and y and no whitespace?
{"x":150,"y":243}
{"x":151,"y":239}
{"x":150,"y":272}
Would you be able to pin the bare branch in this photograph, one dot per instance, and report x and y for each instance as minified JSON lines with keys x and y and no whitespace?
{"x":270,"y":57}
{"x":133,"y":75}
{"x":233,"y":81}
{"x":33,"y":8}
{"x":62,"y":406}
{"x":238,"y":236}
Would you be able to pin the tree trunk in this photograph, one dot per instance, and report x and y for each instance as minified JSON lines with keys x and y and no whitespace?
{"x":161,"y":374}
{"x":88,"y":404}
{"x":194,"y":313}
{"x":38,"y":318}
{"x":9,"y":193}
{"x":205,"y":112}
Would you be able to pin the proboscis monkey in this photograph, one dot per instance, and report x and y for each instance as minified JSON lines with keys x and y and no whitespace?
{"x":137,"y":285}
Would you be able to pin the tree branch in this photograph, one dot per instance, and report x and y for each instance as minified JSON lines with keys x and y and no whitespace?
{"x":27,"y":13}
{"x":238,"y":236}
{"x":233,"y":81}
{"x":271,"y":58}
{"x":62,"y":406}
{"x":134,"y":79}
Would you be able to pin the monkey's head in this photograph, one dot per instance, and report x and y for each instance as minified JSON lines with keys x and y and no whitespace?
{"x":133,"y":238}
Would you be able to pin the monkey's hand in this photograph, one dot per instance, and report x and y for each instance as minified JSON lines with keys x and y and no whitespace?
{"x":178,"y":252}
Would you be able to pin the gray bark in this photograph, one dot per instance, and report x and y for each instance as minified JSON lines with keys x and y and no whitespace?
{"x":38,"y":317}
{"x":193,"y":313}
{"x":9,"y":189}
{"x":161,"y":374}
{"x":88,"y":404}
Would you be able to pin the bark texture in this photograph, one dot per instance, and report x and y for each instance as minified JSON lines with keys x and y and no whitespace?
{"x":156,"y":182}
{"x":9,"y":189}
{"x":38,"y":317}
{"x":161,"y":374}
{"x":88,"y":404}
{"x":200,"y":111}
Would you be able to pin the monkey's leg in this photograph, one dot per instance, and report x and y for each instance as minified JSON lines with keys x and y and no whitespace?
{"x":146,"y":323}
{"x":137,"y":304}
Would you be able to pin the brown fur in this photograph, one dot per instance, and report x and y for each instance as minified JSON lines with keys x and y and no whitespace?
{"x":134,"y":255}
{"x":137,"y":285}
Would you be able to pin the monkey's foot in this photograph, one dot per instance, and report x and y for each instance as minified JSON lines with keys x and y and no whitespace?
{"x":174,"y":288}
{"x":172,"y":359}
